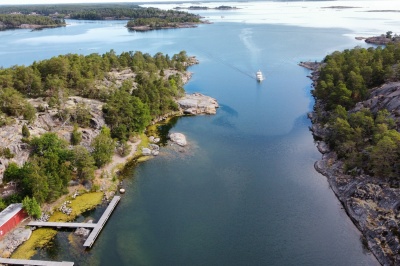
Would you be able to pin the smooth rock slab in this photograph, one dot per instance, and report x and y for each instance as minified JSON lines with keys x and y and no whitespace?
{"x":198,"y":103}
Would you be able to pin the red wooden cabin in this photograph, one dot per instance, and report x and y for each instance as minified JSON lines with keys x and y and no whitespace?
{"x":10,"y":217}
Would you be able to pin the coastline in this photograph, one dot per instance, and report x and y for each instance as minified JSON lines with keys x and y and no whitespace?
{"x":107,"y":178}
{"x":371,"y":203}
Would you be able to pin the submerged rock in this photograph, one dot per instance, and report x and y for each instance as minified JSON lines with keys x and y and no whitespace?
{"x":178,"y":138}
{"x":82,"y":232}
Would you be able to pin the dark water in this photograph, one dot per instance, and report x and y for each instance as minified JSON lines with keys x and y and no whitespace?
{"x":244,"y":191}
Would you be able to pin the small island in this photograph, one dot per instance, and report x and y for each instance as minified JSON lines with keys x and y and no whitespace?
{"x":20,"y":21}
{"x":208,"y":8}
{"x":383,"y":39}
{"x":171,"y":20}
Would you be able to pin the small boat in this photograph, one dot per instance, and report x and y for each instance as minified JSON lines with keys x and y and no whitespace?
{"x":259,"y":75}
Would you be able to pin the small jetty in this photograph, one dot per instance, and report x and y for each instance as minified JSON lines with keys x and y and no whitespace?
{"x":93,"y":235}
{"x":99,"y":225}
{"x":35,"y":262}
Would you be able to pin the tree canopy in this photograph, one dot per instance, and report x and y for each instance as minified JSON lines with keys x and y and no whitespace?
{"x":364,"y":140}
{"x":127,"y":109}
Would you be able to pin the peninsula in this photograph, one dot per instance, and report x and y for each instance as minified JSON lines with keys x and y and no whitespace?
{"x":356,"y":121}
{"x":75,"y":122}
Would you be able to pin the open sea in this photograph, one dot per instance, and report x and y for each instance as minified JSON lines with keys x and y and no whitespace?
{"x":244,"y":191}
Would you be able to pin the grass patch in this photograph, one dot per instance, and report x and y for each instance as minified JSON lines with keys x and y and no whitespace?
{"x":39,"y":239}
{"x":80,"y":204}
{"x":143,"y":159}
{"x":144,"y":143}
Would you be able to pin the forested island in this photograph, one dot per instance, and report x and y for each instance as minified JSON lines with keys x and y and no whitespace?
{"x":140,"y":18}
{"x":15,"y":21}
{"x":356,"y":121}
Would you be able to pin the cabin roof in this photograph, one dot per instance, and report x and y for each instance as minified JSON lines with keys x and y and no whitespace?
{"x":9,"y":212}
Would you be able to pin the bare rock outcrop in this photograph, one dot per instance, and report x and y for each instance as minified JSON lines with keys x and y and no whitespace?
{"x":372,"y":203}
{"x":198,"y":103}
{"x":386,"y":97}
{"x":48,"y":120}
{"x":13,"y":239}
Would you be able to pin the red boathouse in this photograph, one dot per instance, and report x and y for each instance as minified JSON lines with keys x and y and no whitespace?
{"x":10,"y":217}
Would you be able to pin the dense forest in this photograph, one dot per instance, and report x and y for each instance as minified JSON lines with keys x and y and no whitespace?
{"x":9,"y":21}
{"x":65,"y":9}
{"x":127,"y":109}
{"x":366,"y":141}
{"x":101,"y":12}
{"x":171,"y":20}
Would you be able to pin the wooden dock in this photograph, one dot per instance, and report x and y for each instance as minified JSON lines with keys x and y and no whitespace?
{"x":99,"y":225}
{"x":35,"y":262}
{"x":96,"y":226}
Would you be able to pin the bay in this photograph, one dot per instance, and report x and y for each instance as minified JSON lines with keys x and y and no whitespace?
{"x":244,"y":191}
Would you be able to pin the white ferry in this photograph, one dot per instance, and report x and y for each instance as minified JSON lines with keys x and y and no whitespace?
{"x":259,"y":75}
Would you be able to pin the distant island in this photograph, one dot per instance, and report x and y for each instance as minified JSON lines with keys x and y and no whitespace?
{"x":383,"y":39}
{"x":15,"y":21}
{"x":207,"y":8}
{"x":139,"y":18}
{"x":170,"y":20}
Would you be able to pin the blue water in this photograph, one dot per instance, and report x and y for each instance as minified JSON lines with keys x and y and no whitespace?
{"x":244,"y":191}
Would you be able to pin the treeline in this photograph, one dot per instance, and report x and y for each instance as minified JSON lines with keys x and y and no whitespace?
{"x":136,"y":13}
{"x":15,"y":20}
{"x":366,"y":141}
{"x":128,"y":109}
{"x":157,"y":22}
{"x":347,"y":76}
{"x":101,"y":12}
{"x":67,"y":75}
{"x":65,"y":9}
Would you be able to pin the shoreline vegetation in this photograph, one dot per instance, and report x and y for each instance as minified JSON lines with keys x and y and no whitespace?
{"x":18,"y":21}
{"x":69,"y":134}
{"x":139,"y":18}
{"x":355,"y":123}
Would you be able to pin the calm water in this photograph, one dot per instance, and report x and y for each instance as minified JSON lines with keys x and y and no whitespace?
{"x":244,"y":191}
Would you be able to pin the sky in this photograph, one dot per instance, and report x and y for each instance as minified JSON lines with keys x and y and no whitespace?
{"x":26,"y":2}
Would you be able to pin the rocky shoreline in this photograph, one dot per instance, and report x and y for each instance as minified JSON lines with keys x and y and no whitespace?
{"x":189,"y":104}
{"x":171,"y":26}
{"x":372,"y":203}
{"x":29,"y":26}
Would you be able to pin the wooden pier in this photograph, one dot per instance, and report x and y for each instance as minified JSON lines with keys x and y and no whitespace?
{"x":96,"y":226}
{"x":35,"y":262}
{"x":103,"y":219}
